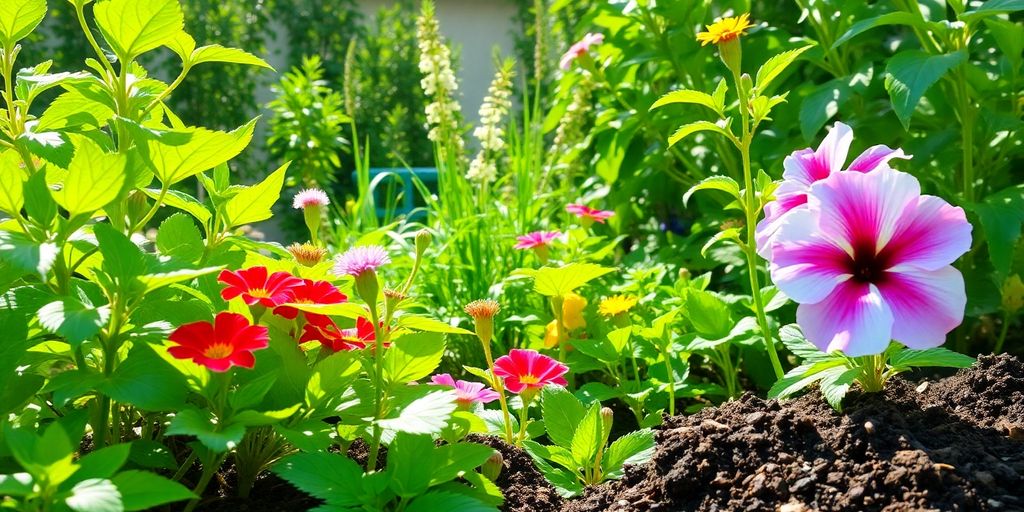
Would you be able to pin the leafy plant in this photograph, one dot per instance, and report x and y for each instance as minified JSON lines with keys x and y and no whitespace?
{"x":581,"y":453}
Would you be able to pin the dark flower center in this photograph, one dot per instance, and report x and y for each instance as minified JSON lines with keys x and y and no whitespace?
{"x":868,"y":265}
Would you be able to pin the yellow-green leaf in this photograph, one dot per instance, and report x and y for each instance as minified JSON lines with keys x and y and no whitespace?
{"x":94,"y":179}
{"x":18,"y":18}
{"x":197,"y":150}
{"x":701,"y":126}
{"x":134,"y":27}
{"x":557,"y":282}
{"x":253,"y":204}
{"x":218,"y":53}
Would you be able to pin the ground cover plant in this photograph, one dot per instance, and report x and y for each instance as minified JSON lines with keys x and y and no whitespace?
{"x":549,"y":324}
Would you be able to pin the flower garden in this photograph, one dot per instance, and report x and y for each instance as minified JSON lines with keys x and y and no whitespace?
{"x":690,"y":256}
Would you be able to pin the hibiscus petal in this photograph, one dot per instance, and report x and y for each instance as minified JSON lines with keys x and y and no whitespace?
{"x":805,"y":265}
{"x":932,"y":234}
{"x":876,"y":156}
{"x":926,"y":305}
{"x":853,"y":319}
{"x":862,"y":210}
{"x":808,"y":166}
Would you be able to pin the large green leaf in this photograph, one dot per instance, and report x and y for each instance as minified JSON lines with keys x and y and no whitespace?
{"x":421,"y":414}
{"x":253,"y":204}
{"x":12,"y":184}
{"x":1001,"y":216}
{"x":723,"y":183}
{"x":588,"y":437}
{"x":449,"y":501}
{"x":702,"y":126}
{"x":122,"y":259}
{"x":910,"y":73}
{"x":687,"y":96}
{"x":95,"y":495}
{"x":775,"y":66}
{"x":81,"y":106}
{"x":133,"y":27}
{"x":709,"y":314}
{"x":413,"y":357}
{"x":632,"y":448}
{"x":95,"y":178}
{"x":179,"y":238}
{"x":178,"y":155}
{"x":202,"y":424}
{"x":14,"y":327}
{"x":560,"y":281}
{"x":892,"y":18}
{"x":218,"y":53}
{"x":409,"y":476}
{"x":992,"y":8}
{"x":142,"y":490}
{"x":910,"y":358}
{"x":18,"y":18}
{"x":146,"y":381}
{"x":331,"y":477}
{"x":27,"y":256}
{"x":73,"y":320}
{"x":563,"y":413}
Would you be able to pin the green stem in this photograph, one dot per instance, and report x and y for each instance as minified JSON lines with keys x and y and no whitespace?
{"x":872,"y":379}
{"x":184,"y":466}
{"x":1002,"y":333}
{"x":208,"y":472}
{"x":498,"y":386}
{"x":524,"y":417}
{"x":671,"y":383}
{"x":378,"y":405}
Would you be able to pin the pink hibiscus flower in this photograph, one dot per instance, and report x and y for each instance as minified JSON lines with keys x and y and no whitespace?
{"x":525,"y":370}
{"x":805,"y":167}
{"x":536,"y":239}
{"x":868,"y":259}
{"x":466,"y":393}
{"x":580,"y":48}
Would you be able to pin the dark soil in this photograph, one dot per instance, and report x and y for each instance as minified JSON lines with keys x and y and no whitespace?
{"x":952,"y":444}
{"x":524,"y":487}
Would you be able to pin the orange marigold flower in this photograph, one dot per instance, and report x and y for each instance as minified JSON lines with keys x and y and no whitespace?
{"x":725,"y":29}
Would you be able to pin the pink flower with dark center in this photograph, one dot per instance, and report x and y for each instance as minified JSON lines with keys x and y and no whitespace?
{"x":805,"y":167}
{"x":536,"y":239}
{"x":529,"y":370}
{"x":588,"y":213}
{"x":580,"y":48}
{"x":466,"y":393}
{"x":868,"y":260}
{"x":358,"y":260}
{"x":310,"y":197}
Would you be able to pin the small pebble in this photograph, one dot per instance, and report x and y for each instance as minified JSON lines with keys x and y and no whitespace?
{"x":922,"y":387}
{"x":869,"y":427}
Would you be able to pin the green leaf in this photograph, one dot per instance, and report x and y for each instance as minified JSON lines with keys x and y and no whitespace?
{"x":350,"y":310}
{"x":122,"y":259}
{"x":558,"y":282}
{"x":146,"y":381}
{"x":447,"y":501}
{"x":774,"y":67}
{"x":102,"y":463}
{"x":253,"y":204}
{"x":252,"y":393}
{"x":836,"y":384}
{"x":156,"y":281}
{"x":823,"y":103}
{"x":725,"y":234}
{"x":328,"y":476}
{"x":424,"y":415}
{"x":1001,"y":216}
{"x":250,"y":418}
{"x":427,"y":324}
{"x":179,"y":238}
{"x":409,"y":476}
{"x":910,"y":358}
{"x":194,"y":150}
{"x":632,"y":448}
{"x":132,"y":28}
{"x":39,"y":202}
{"x":73,"y":320}
{"x":892,"y":18}
{"x":452,"y":460}
{"x":202,"y":424}
{"x":142,"y":490}
{"x":27,"y":256}
{"x":686,"y":96}
{"x":183,"y":202}
{"x":794,"y":340}
{"x":14,"y":327}
{"x":709,"y":314}
{"x":723,"y":183}
{"x":95,"y":495}
{"x":16,"y":485}
{"x":1009,"y":37}
{"x":95,"y":178}
{"x":803,"y":376}
{"x":911,"y":73}
{"x":563,"y":413}
{"x":218,"y":53}
{"x":18,"y":18}
{"x":413,"y":357}
{"x":701,"y":126}
{"x":992,"y":8}
{"x":588,"y":437}
{"x":12,"y":184}
{"x":78,"y":107}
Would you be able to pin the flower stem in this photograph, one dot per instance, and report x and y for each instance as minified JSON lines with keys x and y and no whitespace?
{"x":872,"y":380}
{"x":378,"y":405}
{"x":524,"y":416}
{"x":204,"y":480}
{"x":1002,"y":333}
{"x":498,"y":386}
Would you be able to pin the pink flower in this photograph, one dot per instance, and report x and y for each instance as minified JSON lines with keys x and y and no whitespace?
{"x":805,"y":167}
{"x":310,"y":197}
{"x":536,"y":239}
{"x":466,"y":393}
{"x":529,"y":370}
{"x":358,"y":260}
{"x":868,"y":260}
{"x":588,"y":213}
{"x":580,"y":48}
{"x":256,"y":285}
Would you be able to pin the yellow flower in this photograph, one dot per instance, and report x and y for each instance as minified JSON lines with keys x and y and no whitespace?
{"x":725,"y":29}
{"x":616,"y":305}
{"x":551,"y":334}
{"x":572,"y":312}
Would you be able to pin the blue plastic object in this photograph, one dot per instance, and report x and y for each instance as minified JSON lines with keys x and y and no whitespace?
{"x":411,"y":197}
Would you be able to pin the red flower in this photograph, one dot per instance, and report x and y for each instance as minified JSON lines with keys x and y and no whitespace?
{"x":529,"y":370}
{"x":311,"y":292}
{"x":230,"y":340}
{"x":254,"y":286}
{"x":323,"y":330}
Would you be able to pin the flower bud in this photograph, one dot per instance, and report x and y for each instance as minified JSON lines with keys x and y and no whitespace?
{"x":607,"y":415}
{"x":1013,"y":294}
{"x":684,"y":275}
{"x":307,"y":254}
{"x":731,"y":53}
{"x":423,"y":239}
{"x":483,"y":312}
{"x":492,"y":466}
{"x":367,"y":287}
{"x":136,"y":208}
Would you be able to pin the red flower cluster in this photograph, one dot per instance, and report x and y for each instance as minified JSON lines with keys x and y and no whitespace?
{"x":229,"y":341}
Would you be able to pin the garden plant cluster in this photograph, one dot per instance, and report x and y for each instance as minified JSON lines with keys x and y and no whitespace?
{"x":155,"y":356}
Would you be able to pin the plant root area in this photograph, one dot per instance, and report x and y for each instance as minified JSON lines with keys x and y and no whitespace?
{"x":952,"y":444}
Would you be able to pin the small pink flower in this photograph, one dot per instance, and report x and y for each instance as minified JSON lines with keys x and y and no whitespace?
{"x":358,"y":260}
{"x":310,"y":197}
{"x":466,"y":393}
{"x":868,"y":260}
{"x":805,"y":167}
{"x":529,"y":370}
{"x":580,"y":48}
{"x":586,"y":212}
{"x":536,"y":239}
